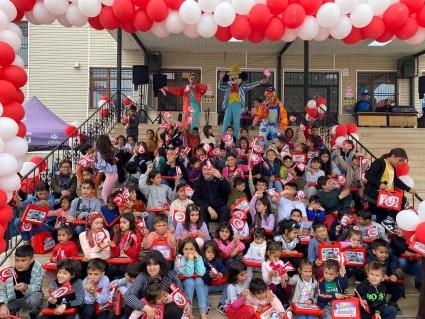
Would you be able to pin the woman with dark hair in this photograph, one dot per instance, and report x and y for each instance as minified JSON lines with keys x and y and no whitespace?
{"x":154,"y":268}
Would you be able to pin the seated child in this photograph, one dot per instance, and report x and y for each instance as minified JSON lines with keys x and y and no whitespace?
{"x":96,"y":290}
{"x":311,"y":176}
{"x":370,"y":230}
{"x":170,"y":169}
{"x":228,"y":244}
{"x":131,"y":272}
{"x":61,"y":213}
{"x":287,"y":235}
{"x":133,"y":175}
{"x":379,"y":252}
{"x":152,"y":139}
{"x":237,"y":190}
{"x":271,"y":170}
{"x":332,"y":286}
{"x":321,"y":236}
{"x":140,"y":159}
{"x":68,"y":270}
{"x":261,"y":212}
{"x":91,"y":247}
{"x":24,"y":291}
{"x":181,"y":203}
{"x":65,"y":247}
{"x":279,"y":146}
{"x":193,"y":224}
{"x":87,"y":150}
{"x":372,"y":287}
{"x":257,"y":249}
{"x":88,"y":173}
{"x":287,"y":202}
{"x":233,"y":169}
{"x":133,"y":205}
{"x":110,"y":211}
{"x":314,"y":210}
{"x":156,"y":297}
{"x":305,"y":226}
{"x":353,"y":240}
{"x":259,"y":297}
{"x":306,"y":287}
{"x":194,"y":169}
{"x":341,"y":226}
{"x":237,"y":291}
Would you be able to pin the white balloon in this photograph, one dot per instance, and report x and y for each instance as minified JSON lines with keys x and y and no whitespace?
{"x":16,"y":146}
{"x":9,"y":8}
{"x":90,"y":8}
{"x":353,"y":137}
{"x":75,"y":17}
{"x":333,"y":129}
{"x":311,"y":104}
{"x":10,"y":183}
{"x":407,"y":220}
{"x":418,"y":38}
{"x":290,"y":35}
{"x":160,"y":30}
{"x":308,"y":118}
{"x":328,"y":15}
{"x":20,"y":163}
{"x":242,"y":6}
{"x":342,"y":28}
{"x":208,"y":6}
{"x":28,"y":167}
{"x":8,"y":164}
{"x":8,"y":128}
{"x":101,"y":103}
{"x":190,"y":12}
{"x":18,"y":62}
{"x":64,"y":21}
{"x":173,"y":23}
{"x":346,"y":6}
{"x":43,"y":15}
{"x":206,"y":26}
{"x":4,"y":22}
{"x":9,"y":196}
{"x":361,"y":16}
{"x":322,"y":35}
{"x":11,"y":38}
{"x":421,"y":211}
{"x":56,"y":7}
{"x":75,"y":123}
{"x":406,"y":179}
{"x":15,"y":28}
{"x":191,"y":31}
{"x":1,"y":145}
{"x":309,"y":29}
{"x":379,"y":7}
{"x":322,"y":109}
{"x":340,"y":140}
{"x":1,"y":112}
{"x":224,"y":14}
{"x":30,"y":17}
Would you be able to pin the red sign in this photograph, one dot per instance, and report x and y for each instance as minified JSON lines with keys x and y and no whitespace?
{"x":179,"y":216}
{"x":189,"y":191}
{"x":62,"y":291}
{"x":167,"y":115}
{"x":6,"y":273}
{"x":100,"y":237}
{"x":237,"y":223}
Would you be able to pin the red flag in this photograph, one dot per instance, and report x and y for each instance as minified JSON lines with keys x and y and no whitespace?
{"x":241,"y":204}
{"x":179,"y":216}
{"x":179,"y":171}
{"x":167,"y":115}
{"x":178,"y":297}
{"x":6,"y":273}
{"x":239,"y":214}
{"x":100,"y":237}
{"x":119,"y":200}
{"x":363,"y":302}
{"x":165,"y":206}
{"x":189,"y":191}
{"x":237,"y":223}
{"x":272,"y":192}
{"x":62,"y":291}
{"x":85,"y":161}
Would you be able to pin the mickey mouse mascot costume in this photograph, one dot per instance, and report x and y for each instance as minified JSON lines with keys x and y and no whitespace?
{"x":234,"y":96}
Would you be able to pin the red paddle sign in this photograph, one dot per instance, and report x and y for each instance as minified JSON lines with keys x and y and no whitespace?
{"x":167,"y":115}
{"x":100,"y":237}
{"x":6,"y":273}
{"x":237,"y":223}
{"x":85,"y":161}
{"x":372,"y":231}
{"x":179,"y":216}
{"x":189,"y":191}
{"x":178,"y":297}
{"x":62,"y":291}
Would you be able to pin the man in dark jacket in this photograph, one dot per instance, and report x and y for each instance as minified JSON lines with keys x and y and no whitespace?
{"x":211,"y":192}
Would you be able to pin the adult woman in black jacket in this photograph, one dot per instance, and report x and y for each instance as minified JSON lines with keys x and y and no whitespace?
{"x":382,"y":175}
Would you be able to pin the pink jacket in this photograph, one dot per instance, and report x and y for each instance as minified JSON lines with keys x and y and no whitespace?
{"x":227,"y":173}
{"x":276,"y":303}
{"x":227,"y":249}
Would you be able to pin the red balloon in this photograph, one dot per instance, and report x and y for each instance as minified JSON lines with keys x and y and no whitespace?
{"x":142,"y":22}
{"x":15,"y":75}
{"x":408,"y":234}
{"x":104,"y":113}
{"x":107,"y":19}
{"x":294,"y":16}
{"x":157,"y":10}
{"x":259,"y":16}
{"x":374,"y":29}
{"x":3,"y":198}
{"x":420,"y":233}
{"x":402,"y":169}
{"x":7,"y":54}
{"x":420,"y":17}
{"x":311,"y":6}
{"x":141,"y":3}
{"x":174,"y":4}
{"x":128,"y":26}
{"x":95,"y":23}
{"x":407,"y":30}
{"x":312,"y":112}
{"x":14,"y":110}
{"x":396,"y":15}
{"x":340,"y":130}
{"x":8,"y":92}
{"x":19,"y":15}
{"x":321,"y":116}
{"x":241,"y":28}
{"x":306,"y":108}
{"x":256,"y":36}
{"x":354,"y":36}
{"x":277,"y":6}
{"x":39,"y":159}
{"x":223,"y":34}
{"x":126,"y":101}
{"x":22,"y":130}
{"x":321,"y":100}
{"x":332,"y":141}
{"x":21,"y":97}
{"x":413,"y":5}
{"x":6,"y":214}
{"x":24,"y":5}
{"x":69,"y":129}
{"x":275,"y":29}
{"x":124,"y":10}
{"x":386,"y":36}
{"x":351,"y":128}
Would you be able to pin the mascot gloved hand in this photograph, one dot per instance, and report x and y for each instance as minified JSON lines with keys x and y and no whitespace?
{"x":234,"y":96}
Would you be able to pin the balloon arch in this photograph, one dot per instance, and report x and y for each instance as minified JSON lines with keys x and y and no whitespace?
{"x":254,"y":20}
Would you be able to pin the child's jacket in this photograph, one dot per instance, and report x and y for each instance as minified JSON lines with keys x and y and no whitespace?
{"x":331,"y":288}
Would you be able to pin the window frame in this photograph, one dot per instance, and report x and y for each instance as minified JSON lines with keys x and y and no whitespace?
{"x":24,"y":49}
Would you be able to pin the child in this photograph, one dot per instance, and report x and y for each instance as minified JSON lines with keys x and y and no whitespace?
{"x":88,"y":173}
{"x":156,"y":297}
{"x":229,"y":131}
{"x":271,"y":170}
{"x":207,"y":136}
{"x":91,"y":247}
{"x":132,"y":204}
{"x":374,"y":292}
{"x":68,"y":270}
{"x":24,"y":291}
{"x":259,"y":296}
{"x":140,"y":160}
{"x":152,"y":139}
{"x":188,"y":263}
{"x":261,"y":212}
{"x":277,"y":284}
{"x":233,"y":169}
{"x":311,"y":175}
{"x":125,"y":244}
{"x":331,"y":287}
{"x":257,"y":249}
{"x":194,"y":169}
{"x":305,"y":290}
{"x":132,"y":140}
{"x":291,"y":138}
{"x":131,"y":272}
{"x":370,"y":230}
{"x":96,"y":290}
{"x":342,"y":225}
{"x":61,"y":213}
{"x":86,"y":150}
{"x":106,"y":164}
{"x":133,"y":175}
{"x":237,"y":291}
{"x":399,"y":246}
{"x":305,"y":227}
{"x":170,"y":169}
{"x":110,"y":211}
{"x":132,"y":126}
{"x":288,"y":168}
{"x":65,"y":248}
{"x":193,"y":225}
{"x":287,"y":237}
{"x":328,"y":165}
{"x":82,"y":206}
{"x":192,"y":138}
{"x":321,"y":236}
{"x":154,"y":192}
{"x":243,"y":151}
{"x":287,"y":202}
{"x":215,"y":271}
{"x":380,"y":252}
{"x":314,"y":210}
{"x":181,"y":203}
{"x":228,"y":245}
{"x":279,"y":146}
{"x":313,"y":133}
{"x":159,"y":160}
{"x":353,"y":240}
{"x":221,"y":159}
{"x":237,"y":190}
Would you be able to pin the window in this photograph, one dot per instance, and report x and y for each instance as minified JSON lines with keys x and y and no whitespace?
{"x":23,"y":51}
{"x":103,"y":81}
{"x":379,"y":85}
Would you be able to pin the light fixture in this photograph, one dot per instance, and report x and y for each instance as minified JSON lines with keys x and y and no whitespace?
{"x":379,"y":44}
{"x":77,"y":65}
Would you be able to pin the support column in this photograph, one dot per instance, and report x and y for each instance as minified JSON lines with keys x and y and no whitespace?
{"x":119,"y":73}
{"x":306,"y":71}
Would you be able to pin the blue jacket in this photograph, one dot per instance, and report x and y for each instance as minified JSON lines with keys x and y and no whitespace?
{"x":273,"y":170}
{"x":341,"y":284}
{"x":242,"y":91}
{"x":218,"y":265}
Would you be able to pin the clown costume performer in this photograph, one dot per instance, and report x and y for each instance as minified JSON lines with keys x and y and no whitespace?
{"x":234,"y":96}
{"x":272,"y":116}
{"x":192,"y":94}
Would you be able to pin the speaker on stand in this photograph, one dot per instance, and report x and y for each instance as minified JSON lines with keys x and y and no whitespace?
{"x":140,"y":78}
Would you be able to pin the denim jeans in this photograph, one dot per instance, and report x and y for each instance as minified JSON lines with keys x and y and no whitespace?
{"x":276,"y":184}
{"x":190,"y":285}
{"x":412,"y":267}
{"x":395,"y":290}
{"x":222,"y":288}
{"x":149,"y":221}
{"x":306,"y":317}
{"x":389,"y":312}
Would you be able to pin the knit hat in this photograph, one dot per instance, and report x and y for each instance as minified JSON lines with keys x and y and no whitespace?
{"x":92,"y":217}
